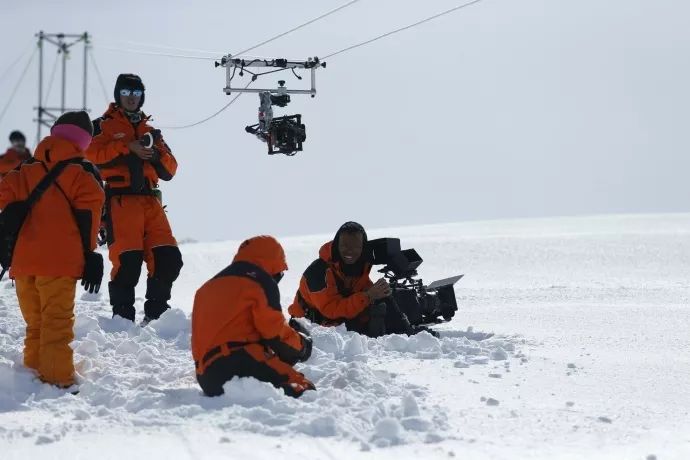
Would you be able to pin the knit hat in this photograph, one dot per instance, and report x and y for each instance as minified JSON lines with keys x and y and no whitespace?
{"x":17,"y":136}
{"x":75,"y":127}
{"x":128,"y":81}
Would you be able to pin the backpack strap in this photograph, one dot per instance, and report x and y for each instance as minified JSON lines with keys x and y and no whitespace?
{"x":45,"y":183}
{"x":83,"y":221}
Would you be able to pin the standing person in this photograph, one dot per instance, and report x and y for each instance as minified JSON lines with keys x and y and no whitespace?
{"x":133,"y":157}
{"x":16,"y":154}
{"x":238,"y":327}
{"x":55,"y":245}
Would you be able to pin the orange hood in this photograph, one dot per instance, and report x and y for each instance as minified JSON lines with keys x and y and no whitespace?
{"x":54,"y":149}
{"x":263,"y":251}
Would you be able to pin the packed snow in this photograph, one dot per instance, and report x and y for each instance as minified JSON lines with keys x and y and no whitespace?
{"x":589,"y":359}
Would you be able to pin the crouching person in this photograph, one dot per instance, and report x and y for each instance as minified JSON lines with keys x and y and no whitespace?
{"x":54,"y":247}
{"x":238,"y":327}
{"x":336,"y":289}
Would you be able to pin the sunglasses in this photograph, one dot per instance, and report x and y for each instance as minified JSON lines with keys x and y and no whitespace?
{"x":131,"y":92}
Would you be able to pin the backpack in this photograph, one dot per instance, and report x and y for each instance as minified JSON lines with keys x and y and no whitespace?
{"x":13,"y":216}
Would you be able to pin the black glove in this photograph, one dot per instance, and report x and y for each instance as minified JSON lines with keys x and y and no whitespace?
{"x":296,"y":325}
{"x":93,"y":272}
{"x":306,"y":348}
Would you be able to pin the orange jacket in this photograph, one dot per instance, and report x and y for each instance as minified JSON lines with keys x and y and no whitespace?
{"x":50,"y":242}
{"x":325,"y":288}
{"x":112,"y":134}
{"x":242,"y":303}
{"x":13,"y":158}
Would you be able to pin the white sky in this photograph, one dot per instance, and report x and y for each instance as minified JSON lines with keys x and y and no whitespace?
{"x":504,"y":109}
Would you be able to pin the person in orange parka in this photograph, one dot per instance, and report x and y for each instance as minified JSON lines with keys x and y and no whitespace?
{"x":336,"y":289}
{"x":238,"y":327}
{"x":136,"y":225}
{"x":16,"y":154}
{"x":55,"y":245}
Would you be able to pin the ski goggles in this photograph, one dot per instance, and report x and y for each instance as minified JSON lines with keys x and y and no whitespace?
{"x":131,"y":92}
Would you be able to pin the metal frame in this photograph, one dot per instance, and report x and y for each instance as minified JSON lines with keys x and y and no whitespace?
{"x":233,"y":64}
{"x":47,"y":115}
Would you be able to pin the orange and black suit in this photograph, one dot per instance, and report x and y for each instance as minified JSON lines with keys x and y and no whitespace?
{"x":238,"y":326}
{"x":49,"y":253}
{"x":12,"y":158}
{"x":333,"y":293}
{"x":329,"y":297}
{"x":136,"y":225}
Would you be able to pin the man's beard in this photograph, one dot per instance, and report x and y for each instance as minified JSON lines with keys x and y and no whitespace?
{"x":355,"y":269}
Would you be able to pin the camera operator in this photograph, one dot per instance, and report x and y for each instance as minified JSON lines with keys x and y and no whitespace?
{"x":133,"y":157}
{"x":336,"y":289}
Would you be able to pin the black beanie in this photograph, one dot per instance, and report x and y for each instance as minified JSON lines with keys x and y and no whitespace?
{"x":128,"y":81}
{"x":17,"y":136}
{"x":80,"y":119}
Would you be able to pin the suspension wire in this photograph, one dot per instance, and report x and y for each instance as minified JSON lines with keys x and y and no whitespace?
{"x":333,"y":11}
{"x":211,"y":116}
{"x":15,"y":62}
{"x":153,"y":53}
{"x":19,"y":82}
{"x":99,"y":75}
{"x":333,"y":54}
{"x":52,"y":79}
{"x":410,"y":26}
{"x":341,"y":7}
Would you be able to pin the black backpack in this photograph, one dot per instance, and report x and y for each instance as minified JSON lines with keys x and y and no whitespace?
{"x":13,"y":216}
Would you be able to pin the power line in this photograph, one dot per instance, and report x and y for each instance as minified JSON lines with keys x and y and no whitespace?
{"x":98,"y":74}
{"x":212,"y":116}
{"x":387,"y":34}
{"x":15,"y":62}
{"x":52,"y":79}
{"x":341,"y":7}
{"x":16,"y":87}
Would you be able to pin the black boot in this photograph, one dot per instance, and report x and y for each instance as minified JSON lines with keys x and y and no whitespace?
{"x":376,"y":327}
{"x":157,"y":296}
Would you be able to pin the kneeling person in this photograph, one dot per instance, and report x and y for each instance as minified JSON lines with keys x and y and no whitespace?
{"x":238,"y":327}
{"x":336,"y":289}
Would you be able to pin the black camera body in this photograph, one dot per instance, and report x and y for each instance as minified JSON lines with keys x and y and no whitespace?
{"x":423,"y":304}
{"x":281,"y":134}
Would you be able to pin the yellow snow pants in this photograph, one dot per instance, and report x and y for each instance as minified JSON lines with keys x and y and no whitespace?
{"x":47,"y":305}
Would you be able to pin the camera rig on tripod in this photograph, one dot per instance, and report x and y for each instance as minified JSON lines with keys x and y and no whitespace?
{"x":284,"y":134}
{"x":421,"y":303}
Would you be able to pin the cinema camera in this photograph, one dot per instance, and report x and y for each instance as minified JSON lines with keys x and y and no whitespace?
{"x":421,"y":303}
{"x":282,"y":134}
{"x":286,"y":134}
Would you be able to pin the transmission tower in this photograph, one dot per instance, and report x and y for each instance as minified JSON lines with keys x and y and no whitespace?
{"x":64,"y":43}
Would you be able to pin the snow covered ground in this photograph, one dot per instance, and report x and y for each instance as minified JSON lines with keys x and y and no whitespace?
{"x":590,"y":360}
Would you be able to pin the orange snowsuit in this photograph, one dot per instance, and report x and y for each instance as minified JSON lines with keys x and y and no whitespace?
{"x":136,"y":225}
{"x":13,"y":158}
{"x":49,"y":254}
{"x":238,"y":327}
{"x":327,"y":297}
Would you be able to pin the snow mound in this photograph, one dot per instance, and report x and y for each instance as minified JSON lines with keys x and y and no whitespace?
{"x":144,"y":377}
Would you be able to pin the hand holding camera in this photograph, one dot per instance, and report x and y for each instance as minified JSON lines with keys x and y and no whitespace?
{"x":145,"y":153}
{"x":380,"y":290}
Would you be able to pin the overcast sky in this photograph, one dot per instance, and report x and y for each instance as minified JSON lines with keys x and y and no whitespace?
{"x":504,"y":109}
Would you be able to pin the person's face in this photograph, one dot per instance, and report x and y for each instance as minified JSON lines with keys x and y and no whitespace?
{"x":130,"y":98}
{"x":350,"y":246}
{"x":18,"y":144}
